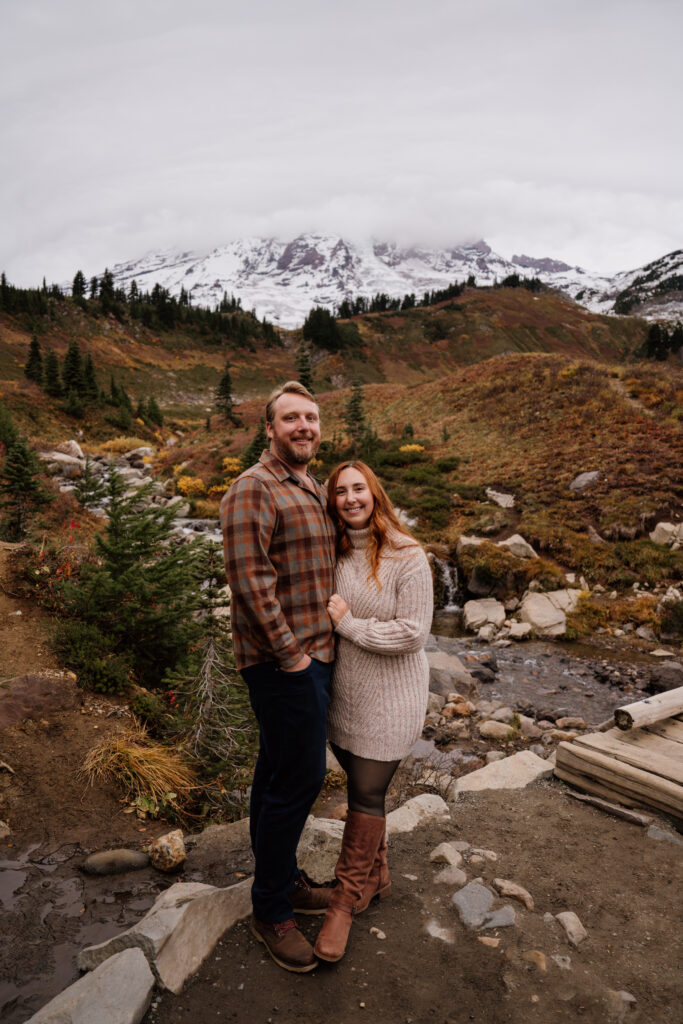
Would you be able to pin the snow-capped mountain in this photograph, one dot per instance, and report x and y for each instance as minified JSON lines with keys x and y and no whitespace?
{"x":283,"y":281}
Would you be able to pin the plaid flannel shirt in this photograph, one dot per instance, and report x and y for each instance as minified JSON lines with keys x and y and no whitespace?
{"x":279,"y":558}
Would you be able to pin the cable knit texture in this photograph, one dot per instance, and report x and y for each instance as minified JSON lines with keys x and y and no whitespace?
{"x":381,"y":675}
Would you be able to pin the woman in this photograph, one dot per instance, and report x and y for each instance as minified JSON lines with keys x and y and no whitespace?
{"x":381,"y":612}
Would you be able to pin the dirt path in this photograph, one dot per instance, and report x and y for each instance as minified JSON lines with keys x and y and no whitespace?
{"x":624,"y":886}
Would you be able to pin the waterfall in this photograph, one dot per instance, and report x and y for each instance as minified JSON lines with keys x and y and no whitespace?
{"x":448,"y":574}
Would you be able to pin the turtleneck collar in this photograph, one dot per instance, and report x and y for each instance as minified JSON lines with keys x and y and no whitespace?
{"x":359,"y":538}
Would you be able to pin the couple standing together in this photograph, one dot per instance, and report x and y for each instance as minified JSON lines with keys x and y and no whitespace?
{"x":306,"y":567}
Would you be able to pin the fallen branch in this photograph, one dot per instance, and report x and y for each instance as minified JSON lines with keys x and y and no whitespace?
{"x":650,"y":710}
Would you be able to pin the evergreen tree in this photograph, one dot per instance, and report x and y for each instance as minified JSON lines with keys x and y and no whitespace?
{"x":72,"y":370}
{"x":154,"y":413}
{"x":91,"y":489}
{"x":260,"y":441}
{"x":78,"y":286}
{"x":52,"y":378}
{"x":91,"y":388}
{"x":320,"y":328}
{"x":34,"y":363}
{"x":93,"y":288}
{"x":140,"y":592}
{"x":20,"y":488}
{"x":107,"y":291}
{"x":354,"y":415}
{"x":8,"y":433}
{"x":214,"y":720}
{"x":304,"y":370}
{"x":223,"y":398}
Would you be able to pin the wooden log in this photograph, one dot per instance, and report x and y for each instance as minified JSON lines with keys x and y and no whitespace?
{"x":634,"y":754}
{"x":591,"y":785}
{"x":642,"y":785}
{"x":668,"y":730}
{"x":650,"y":710}
{"x":615,"y":809}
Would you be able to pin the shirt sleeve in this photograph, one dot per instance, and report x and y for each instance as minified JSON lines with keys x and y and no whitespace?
{"x":408,"y":630}
{"x":249,"y":522}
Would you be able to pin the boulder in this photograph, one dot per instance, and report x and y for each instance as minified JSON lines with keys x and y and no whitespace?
{"x":545,"y":613}
{"x":584,"y":480}
{"x":480,"y":613}
{"x":514,"y":772}
{"x":118,"y":991}
{"x":666,"y":676}
{"x":178,"y":933}
{"x":447,"y":674}
{"x":319,"y":848}
{"x":500,"y":498}
{"x":167,"y":853}
{"x":426,"y":809}
{"x":72,"y":448}
{"x":664,"y":533}
{"x":467,"y":542}
{"x":517,"y":546}
{"x":519,"y":630}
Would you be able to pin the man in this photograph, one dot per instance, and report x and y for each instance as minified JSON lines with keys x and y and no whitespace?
{"x":279,"y":559}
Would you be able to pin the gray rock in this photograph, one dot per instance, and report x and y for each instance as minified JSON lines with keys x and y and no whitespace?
{"x":445,"y":853}
{"x":494,"y":730}
{"x":666,"y":676}
{"x":504,"y":714}
{"x":518,"y":547}
{"x":435,"y":701}
{"x":319,"y":848}
{"x":500,"y":498}
{"x":494,"y":755}
{"x":473,"y":903}
{"x":584,"y":480}
{"x":179,"y":931}
{"x":664,"y":533}
{"x":503,"y":918}
{"x":451,"y":875}
{"x":646,"y":633}
{"x":447,"y":674}
{"x":72,"y":448}
{"x":118,"y":991}
{"x":481,"y":613}
{"x":114,"y":862}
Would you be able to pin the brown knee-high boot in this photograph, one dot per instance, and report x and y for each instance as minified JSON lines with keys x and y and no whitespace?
{"x":363,"y":834}
{"x":379,"y":880}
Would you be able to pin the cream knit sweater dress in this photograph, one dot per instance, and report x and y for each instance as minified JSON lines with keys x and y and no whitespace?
{"x":381,"y":674}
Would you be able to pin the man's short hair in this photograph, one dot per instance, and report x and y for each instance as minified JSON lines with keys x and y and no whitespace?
{"x":292,"y":387}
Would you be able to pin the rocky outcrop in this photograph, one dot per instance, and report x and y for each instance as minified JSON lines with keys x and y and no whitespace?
{"x":546,"y":613}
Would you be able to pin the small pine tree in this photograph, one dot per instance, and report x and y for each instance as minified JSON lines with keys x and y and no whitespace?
{"x":223,"y":398}
{"x":74,"y":404}
{"x":52,"y":378}
{"x":304,"y":370}
{"x":253,"y":452}
{"x":90,"y":379}
{"x":20,"y":488}
{"x":354,"y":415}
{"x":214,"y":719}
{"x":154,"y":413}
{"x":34,"y":363}
{"x":72,"y":371}
{"x":78,"y":286}
{"x":91,"y":489}
{"x":140,"y":592}
{"x":8,"y":433}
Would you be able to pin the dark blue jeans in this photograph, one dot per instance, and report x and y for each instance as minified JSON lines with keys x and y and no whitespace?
{"x":291,"y":710}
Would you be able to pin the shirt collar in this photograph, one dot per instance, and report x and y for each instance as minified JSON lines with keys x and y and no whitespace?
{"x":282,"y":472}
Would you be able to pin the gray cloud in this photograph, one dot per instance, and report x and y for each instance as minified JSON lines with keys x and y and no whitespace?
{"x":544,"y":127}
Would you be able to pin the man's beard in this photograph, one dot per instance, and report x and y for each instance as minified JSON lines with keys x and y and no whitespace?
{"x":288,"y":452}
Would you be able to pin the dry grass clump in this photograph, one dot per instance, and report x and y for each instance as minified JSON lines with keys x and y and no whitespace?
{"x":118,"y":445}
{"x":154,"y":778}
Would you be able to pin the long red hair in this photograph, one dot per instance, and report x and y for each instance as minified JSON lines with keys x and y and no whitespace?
{"x":384,"y":524}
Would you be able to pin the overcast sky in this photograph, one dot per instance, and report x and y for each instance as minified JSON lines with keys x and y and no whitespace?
{"x":546,"y":127}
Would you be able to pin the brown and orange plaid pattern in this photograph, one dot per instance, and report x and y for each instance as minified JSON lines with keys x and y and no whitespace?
{"x":279,"y":559}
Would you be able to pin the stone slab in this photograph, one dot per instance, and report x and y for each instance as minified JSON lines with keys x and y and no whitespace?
{"x":116,"y":992}
{"x":514,"y":772}
{"x":179,"y":931}
{"x":319,"y":848}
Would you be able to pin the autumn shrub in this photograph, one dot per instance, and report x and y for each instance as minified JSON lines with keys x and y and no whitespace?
{"x":119,"y":445}
{"x":191,"y":486}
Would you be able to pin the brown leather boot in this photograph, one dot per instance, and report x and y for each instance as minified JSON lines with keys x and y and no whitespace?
{"x":378,"y":884}
{"x":363,"y":834}
{"x":286,"y":945}
{"x":309,"y":900}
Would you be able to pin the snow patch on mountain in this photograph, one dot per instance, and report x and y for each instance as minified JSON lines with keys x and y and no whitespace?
{"x":283,"y":281}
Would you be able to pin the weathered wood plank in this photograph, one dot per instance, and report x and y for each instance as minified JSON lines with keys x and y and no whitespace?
{"x":650,"y":710}
{"x":637,"y":755}
{"x":600,"y":788}
{"x":645,"y":739}
{"x":641,"y":785}
{"x":669,"y":729}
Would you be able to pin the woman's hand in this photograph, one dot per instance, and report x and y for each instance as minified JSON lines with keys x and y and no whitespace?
{"x":337,"y":609}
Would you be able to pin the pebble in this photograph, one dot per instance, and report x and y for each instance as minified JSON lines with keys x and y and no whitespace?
{"x":445,"y":853}
{"x":570,"y":722}
{"x":378,"y":932}
{"x":488,"y":940}
{"x":536,"y":957}
{"x":619,"y":1003}
{"x":575,"y":931}
{"x":411,"y":878}
{"x":451,"y":876}
{"x":114,"y":862}
{"x":494,"y":730}
{"x":168,"y":852}
{"x":514,"y":891}
{"x":505,"y":714}
{"x":563,"y":962}
{"x":486,"y":854}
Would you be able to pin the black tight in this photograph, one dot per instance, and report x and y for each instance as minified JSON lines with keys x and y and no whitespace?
{"x":367,"y":781}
